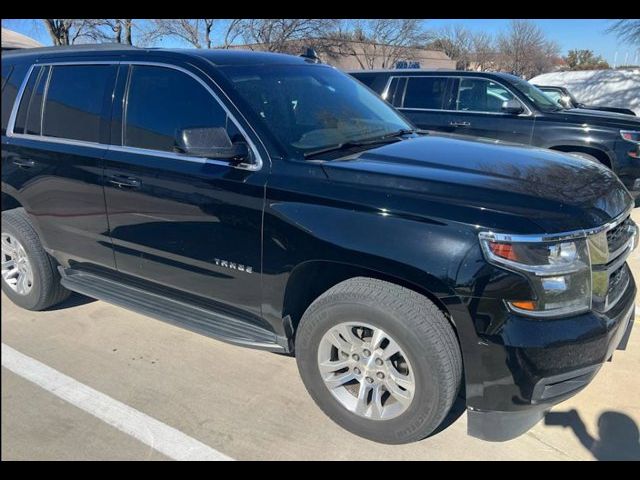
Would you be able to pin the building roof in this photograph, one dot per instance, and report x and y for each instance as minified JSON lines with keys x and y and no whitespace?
{"x":13,"y":40}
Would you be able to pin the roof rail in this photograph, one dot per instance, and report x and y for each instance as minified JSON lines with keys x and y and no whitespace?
{"x":89,"y":47}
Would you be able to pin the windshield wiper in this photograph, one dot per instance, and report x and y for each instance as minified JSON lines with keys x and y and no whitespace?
{"x":389,"y":137}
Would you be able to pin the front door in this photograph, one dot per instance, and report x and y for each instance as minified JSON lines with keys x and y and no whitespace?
{"x":184,"y":222}
{"x":478,"y":112}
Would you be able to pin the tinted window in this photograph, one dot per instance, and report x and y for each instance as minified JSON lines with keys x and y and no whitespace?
{"x":367,"y":80}
{"x":77,"y":101}
{"x":6,"y":73}
{"x":25,"y":101}
{"x":11,"y":85}
{"x":395,"y":92}
{"x":555,"y":95}
{"x":311,"y":107}
{"x":426,"y":92}
{"x":161,"y":103}
{"x":34,"y":108}
{"x":479,"y":95}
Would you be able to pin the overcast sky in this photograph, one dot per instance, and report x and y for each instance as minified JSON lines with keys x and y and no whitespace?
{"x":569,"y":34}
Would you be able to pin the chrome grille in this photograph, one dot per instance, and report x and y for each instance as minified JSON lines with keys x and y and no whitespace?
{"x":618,"y":236}
{"x":610,"y":273}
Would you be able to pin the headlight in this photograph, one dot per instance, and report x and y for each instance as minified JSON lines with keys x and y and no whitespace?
{"x":559,"y":273}
{"x":630,"y":135}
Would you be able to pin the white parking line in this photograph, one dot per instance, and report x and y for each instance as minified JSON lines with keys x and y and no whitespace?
{"x":148,"y":430}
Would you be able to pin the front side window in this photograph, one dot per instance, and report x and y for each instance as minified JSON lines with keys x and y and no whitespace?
{"x":480,"y":95}
{"x":535,"y":95}
{"x":553,"y":94}
{"x":311,"y":107}
{"x":77,"y":101}
{"x":426,"y":92}
{"x":162,"y":103}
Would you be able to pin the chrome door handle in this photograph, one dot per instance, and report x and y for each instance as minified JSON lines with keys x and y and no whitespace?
{"x":24,"y":162}
{"x":460,"y":124}
{"x":121,"y":181}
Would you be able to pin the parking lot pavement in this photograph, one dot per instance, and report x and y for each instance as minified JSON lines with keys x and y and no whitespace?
{"x":251,"y":405}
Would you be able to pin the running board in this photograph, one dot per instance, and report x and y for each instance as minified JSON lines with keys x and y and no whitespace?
{"x":210,"y":323}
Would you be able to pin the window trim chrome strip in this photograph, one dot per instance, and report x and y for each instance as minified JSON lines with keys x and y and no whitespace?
{"x":256,"y":166}
{"x":384,"y":94}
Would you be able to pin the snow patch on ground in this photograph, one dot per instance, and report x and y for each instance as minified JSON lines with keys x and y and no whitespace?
{"x":611,"y":88}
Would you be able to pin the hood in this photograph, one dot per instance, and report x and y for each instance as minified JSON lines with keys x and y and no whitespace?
{"x":598,"y":117}
{"x":480,"y":180}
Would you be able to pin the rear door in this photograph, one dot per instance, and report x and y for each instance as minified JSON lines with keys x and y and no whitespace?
{"x":478,"y":111}
{"x":425,"y":100}
{"x":52,"y":158}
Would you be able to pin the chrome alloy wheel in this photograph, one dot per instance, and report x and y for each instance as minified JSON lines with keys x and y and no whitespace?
{"x":16,"y":268}
{"x":366,"y":370}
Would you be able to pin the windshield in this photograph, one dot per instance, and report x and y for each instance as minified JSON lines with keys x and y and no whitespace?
{"x":539,"y":98}
{"x":312,"y":107}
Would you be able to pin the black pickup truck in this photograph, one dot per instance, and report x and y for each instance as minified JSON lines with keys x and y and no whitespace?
{"x":276,"y":203}
{"x":505,"y":107}
{"x":563,"y":96}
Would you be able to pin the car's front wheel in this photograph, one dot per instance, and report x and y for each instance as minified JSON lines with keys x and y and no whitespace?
{"x":381,"y":360}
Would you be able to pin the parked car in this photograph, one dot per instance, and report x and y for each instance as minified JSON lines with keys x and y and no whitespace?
{"x":276,"y":203}
{"x":563,"y":96}
{"x":505,"y":107}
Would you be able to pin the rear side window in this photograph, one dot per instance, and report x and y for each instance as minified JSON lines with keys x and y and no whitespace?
{"x":395,"y":92}
{"x":161,"y":102}
{"x":367,"y":80}
{"x":426,"y":92}
{"x":29,"y":117}
{"x":12,"y":78}
{"x":78,"y":101}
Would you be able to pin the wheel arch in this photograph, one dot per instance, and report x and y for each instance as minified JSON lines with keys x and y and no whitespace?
{"x":311,"y":279}
{"x":602,"y":156}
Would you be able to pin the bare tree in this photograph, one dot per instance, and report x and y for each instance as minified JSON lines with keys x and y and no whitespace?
{"x":64,"y":31}
{"x":484,"y":51}
{"x":456,"y":42}
{"x":627,"y":30}
{"x":525,"y":51}
{"x":278,"y":34}
{"x":108,"y":30}
{"x":378,"y":43}
{"x":196,"y":32}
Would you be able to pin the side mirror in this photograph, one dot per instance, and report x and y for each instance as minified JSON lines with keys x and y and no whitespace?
{"x":565,"y":101}
{"x":211,"y":143}
{"x":512,"y":106}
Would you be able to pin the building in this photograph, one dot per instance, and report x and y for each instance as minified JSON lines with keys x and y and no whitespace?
{"x":357,"y":55}
{"x":13,"y":40}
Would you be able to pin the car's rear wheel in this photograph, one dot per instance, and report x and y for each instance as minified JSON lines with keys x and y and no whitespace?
{"x":381,"y":360}
{"x":29,"y":276}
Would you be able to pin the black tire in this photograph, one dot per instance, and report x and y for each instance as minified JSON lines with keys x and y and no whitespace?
{"x":46,"y":290}
{"x":421,"y":330}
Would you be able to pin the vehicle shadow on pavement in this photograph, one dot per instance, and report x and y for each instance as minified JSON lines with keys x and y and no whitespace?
{"x":617,"y":434}
{"x":74,"y":300}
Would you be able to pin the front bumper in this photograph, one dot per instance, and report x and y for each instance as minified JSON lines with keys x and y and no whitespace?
{"x":518,"y":368}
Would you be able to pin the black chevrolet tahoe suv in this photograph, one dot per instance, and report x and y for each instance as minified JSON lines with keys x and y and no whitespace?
{"x":505,"y":107}
{"x":276,"y":203}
